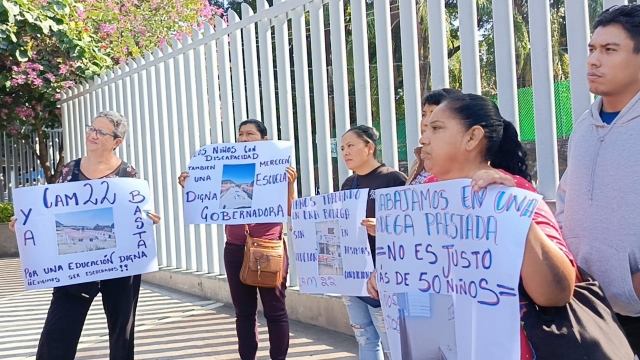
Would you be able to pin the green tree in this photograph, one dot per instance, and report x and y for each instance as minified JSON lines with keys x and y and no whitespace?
{"x":42,"y":53}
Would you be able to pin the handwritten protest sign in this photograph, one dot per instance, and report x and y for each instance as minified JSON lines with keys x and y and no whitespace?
{"x":238,"y":183}
{"x":448,"y":262}
{"x":331,"y":247}
{"x":84,"y":231}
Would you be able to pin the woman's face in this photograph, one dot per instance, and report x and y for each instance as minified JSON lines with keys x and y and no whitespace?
{"x":355,"y":151}
{"x":446,"y":144}
{"x":427,"y":110}
{"x":100,"y":137}
{"x":249,"y":132}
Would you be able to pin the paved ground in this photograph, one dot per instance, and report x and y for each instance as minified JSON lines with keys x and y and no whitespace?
{"x":170,"y":325}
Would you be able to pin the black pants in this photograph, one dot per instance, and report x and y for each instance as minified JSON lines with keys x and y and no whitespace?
{"x":631,"y":327}
{"x":68,"y":311}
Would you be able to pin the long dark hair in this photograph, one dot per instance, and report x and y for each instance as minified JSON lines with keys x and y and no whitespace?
{"x":504,"y":149}
{"x":437,"y":97}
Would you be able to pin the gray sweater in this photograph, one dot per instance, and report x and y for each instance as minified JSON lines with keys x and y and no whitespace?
{"x":597,"y":197}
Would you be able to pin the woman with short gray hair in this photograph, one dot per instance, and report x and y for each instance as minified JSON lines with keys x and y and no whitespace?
{"x":70,"y":304}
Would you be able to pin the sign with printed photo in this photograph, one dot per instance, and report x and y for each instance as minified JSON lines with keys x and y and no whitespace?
{"x":331,"y":247}
{"x":238,"y":183}
{"x":78,"y":232}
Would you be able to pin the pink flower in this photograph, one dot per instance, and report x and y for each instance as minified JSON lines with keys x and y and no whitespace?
{"x":68,"y":84}
{"x":81,"y":14}
{"x":21,"y":79}
{"x":14,"y":82}
{"x":63,"y":69}
{"x":58,"y":96}
{"x":3,"y":113}
{"x":141,"y":44}
{"x":219,"y":11}
{"x":16,"y":69}
{"x":37,"y":82}
{"x":51,"y":77}
{"x":141,"y":30}
{"x":125,"y":50}
{"x":108,"y":29}
{"x":8,"y":99}
{"x":34,"y":55}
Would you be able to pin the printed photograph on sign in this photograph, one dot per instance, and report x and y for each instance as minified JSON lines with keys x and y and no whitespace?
{"x":236,"y":190}
{"x":329,"y":248}
{"x":83,"y":231}
{"x":427,"y":326}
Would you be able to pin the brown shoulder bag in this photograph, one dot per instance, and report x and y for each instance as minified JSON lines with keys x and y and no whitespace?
{"x":263,"y":262}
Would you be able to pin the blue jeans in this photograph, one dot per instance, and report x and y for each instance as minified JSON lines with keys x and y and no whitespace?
{"x":368,"y":325}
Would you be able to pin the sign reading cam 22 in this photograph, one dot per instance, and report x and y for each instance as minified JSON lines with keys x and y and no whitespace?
{"x":238,"y":183}
{"x":448,"y":262}
{"x":331,"y":247}
{"x":84,"y":231}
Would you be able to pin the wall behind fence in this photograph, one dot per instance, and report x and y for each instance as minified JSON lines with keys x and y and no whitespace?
{"x":291,"y":66}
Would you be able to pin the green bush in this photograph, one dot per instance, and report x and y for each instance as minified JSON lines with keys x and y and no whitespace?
{"x":6,"y":212}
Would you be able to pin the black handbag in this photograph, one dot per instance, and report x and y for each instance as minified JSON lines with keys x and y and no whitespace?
{"x":584,"y":329}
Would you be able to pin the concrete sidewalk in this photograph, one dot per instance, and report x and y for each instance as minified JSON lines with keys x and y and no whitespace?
{"x":169,"y":325}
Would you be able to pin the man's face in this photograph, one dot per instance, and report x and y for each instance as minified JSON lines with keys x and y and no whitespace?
{"x":613,"y":67}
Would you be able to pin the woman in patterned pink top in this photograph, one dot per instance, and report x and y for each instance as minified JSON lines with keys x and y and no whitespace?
{"x":468,"y":138}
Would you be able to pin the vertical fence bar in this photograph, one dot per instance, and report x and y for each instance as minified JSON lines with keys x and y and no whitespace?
{"x":468,"y":17}
{"x":410,"y":74}
{"x":189,"y":137}
{"x":168,"y":184}
{"x":237,"y":72}
{"x":283,"y":66}
{"x":215,"y":252}
{"x":200,"y":138}
{"x":77,"y":128}
{"x":81,"y":119}
{"x":361,"y":59}
{"x":266,"y":74}
{"x":303,"y":106}
{"x":173,"y":153}
{"x":386,"y":89}
{"x":340,"y":78}
{"x":251,"y":66}
{"x":135,"y":140}
{"x":439,"y":60}
{"x":543,"y":99}
{"x":228,"y":125}
{"x":126,"y":111}
{"x":506,"y":60}
{"x":66,"y":130}
{"x":151,"y":139}
{"x":320,"y":96}
{"x":577,"y":13}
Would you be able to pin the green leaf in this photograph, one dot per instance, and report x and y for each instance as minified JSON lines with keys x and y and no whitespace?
{"x":11,"y":7}
{"x":22,"y":55}
{"x":34,"y":29}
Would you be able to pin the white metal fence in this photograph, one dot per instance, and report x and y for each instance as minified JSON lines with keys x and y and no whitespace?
{"x":197,"y":91}
{"x":20,"y":167}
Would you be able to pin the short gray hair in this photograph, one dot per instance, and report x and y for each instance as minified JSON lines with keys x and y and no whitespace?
{"x":120,"y":123}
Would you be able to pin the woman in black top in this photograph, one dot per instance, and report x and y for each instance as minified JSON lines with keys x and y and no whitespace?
{"x":359,"y":148}
{"x":70,"y":304}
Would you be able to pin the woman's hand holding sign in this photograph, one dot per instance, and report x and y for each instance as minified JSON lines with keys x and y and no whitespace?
{"x":370,"y":224}
{"x":12,"y":223}
{"x":182,"y":178}
{"x":372,"y":286}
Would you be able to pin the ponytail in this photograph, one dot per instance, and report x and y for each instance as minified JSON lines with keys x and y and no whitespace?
{"x":510,"y":155}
